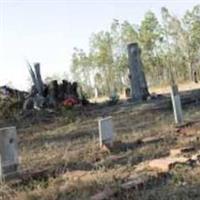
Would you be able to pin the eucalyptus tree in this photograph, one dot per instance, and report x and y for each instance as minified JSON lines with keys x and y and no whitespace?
{"x":149,"y":37}
{"x":191,"y":22}
{"x":170,"y":48}
{"x":81,"y":69}
{"x":101,"y":48}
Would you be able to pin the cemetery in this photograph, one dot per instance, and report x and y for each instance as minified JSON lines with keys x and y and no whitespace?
{"x":141,"y":147}
{"x":122,"y":124}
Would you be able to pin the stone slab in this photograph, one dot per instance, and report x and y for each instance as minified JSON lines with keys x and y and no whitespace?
{"x":9,"y":150}
{"x":178,"y":151}
{"x":152,"y":139}
{"x":106,"y":131}
{"x":166,"y":164}
{"x":136,"y":181}
{"x":103,"y":195}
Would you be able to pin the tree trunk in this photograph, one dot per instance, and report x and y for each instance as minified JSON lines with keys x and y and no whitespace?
{"x":138,"y":81}
{"x":38,"y":79}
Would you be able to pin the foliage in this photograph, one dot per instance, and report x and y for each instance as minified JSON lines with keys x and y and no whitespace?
{"x":170,"y":49}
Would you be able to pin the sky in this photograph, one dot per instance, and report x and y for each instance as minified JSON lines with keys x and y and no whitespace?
{"x":46,"y":31}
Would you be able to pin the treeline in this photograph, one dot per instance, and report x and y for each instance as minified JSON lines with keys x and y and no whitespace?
{"x":169,"y":46}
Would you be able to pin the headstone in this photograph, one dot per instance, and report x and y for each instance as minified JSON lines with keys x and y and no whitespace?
{"x":106,"y":131}
{"x":176,"y":102}
{"x":139,"y":87}
{"x":9,"y":150}
{"x":1,"y":172}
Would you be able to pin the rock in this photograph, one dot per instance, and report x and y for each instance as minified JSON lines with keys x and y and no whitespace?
{"x":75,"y":175}
{"x":152,"y":139}
{"x":178,"y":151}
{"x":116,"y":158}
{"x":196,"y":157}
{"x":141,"y":166}
{"x":105,"y":194}
{"x":63,"y":188}
{"x":141,"y":180}
{"x":136,"y":181}
{"x":105,"y":148}
{"x":167,"y":163}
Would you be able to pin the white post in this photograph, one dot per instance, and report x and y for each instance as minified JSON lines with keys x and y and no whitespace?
{"x":1,"y":170}
{"x":96,"y":93}
{"x":176,"y":102}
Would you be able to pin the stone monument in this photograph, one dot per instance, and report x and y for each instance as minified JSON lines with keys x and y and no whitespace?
{"x":139,"y":88}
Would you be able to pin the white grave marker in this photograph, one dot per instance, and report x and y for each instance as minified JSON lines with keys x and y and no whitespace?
{"x":106,"y":131}
{"x":1,"y":172}
{"x":176,"y":102}
{"x":8,"y":150}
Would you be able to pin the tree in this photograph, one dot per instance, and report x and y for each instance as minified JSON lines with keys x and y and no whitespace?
{"x":191,"y":23}
{"x":102,"y":52}
{"x":170,"y":48}
{"x":81,"y":69}
{"x":149,"y":37}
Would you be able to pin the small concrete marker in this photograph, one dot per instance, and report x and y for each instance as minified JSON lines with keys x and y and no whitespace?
{"x":176,"y":102}
{"x":9,"y":151}
{"x":106,"y":131}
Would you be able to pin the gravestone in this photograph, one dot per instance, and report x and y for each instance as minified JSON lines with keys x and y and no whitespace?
{"x":139,"y":89}
{"x":106,"y":131}
{"x":176,"y":102}
{"x":9,"y":151}
{"x":1,"y":173}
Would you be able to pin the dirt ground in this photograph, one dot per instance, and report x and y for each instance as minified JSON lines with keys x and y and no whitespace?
{"x":60,"y":158}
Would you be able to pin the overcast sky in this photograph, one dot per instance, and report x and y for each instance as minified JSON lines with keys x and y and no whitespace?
{"x":46,"y":31}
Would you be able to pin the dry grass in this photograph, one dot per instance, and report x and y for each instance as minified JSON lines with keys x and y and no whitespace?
{"x":164,"y":89}
{"x":81,"y":169}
